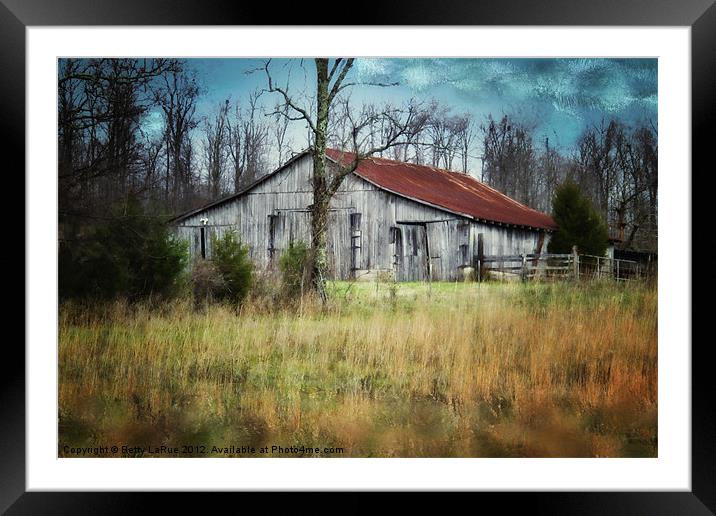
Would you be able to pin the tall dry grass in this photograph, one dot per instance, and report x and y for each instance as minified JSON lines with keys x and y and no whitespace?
{"x":437,"y":370}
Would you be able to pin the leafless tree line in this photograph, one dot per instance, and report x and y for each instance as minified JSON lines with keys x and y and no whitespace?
{"x":615,"y":164}
{"x":441,"y":139}
{"x":101,"y":144}
{"x":130,"y":128}
{"x":618,"y":166}
{"x":237,"y":144}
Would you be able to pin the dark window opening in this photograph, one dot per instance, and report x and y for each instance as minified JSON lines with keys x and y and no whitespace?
{"x":203,"y":243}
{"x":463,"y":255}
{"x":355,"y":220}
{"x":271,"y":233}
{"x":396,"y":238}
{"x":463,"y":229}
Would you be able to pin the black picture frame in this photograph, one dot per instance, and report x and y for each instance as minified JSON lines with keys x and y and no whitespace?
{"x":16,"y":15}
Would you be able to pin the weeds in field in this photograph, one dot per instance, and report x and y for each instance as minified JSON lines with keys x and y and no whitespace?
{"x":461,"y":369}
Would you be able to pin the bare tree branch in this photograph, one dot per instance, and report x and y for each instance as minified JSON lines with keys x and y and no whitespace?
{"x":287,"y":99}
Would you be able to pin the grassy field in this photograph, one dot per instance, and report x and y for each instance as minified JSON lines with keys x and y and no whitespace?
{"x":387,"y":370}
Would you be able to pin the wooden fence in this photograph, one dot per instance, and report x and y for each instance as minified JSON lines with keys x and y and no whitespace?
{"x":548,"y":266}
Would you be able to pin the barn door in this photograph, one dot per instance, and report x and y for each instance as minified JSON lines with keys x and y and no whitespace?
{"x":438,"y":236}
{"x":198,"y":240}
{"x":449,"y":244}
{"x":340,"y":257}
{"x":410,"y":255}
{"x":285,"y":228}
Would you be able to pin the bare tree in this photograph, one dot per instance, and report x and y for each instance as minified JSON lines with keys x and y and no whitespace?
{"x":597,"y":162}
{"x":190,"y":194}
{"x":152,"y":149}
{"x":215,"y":147}
{"x":256,"y":137}
{"x":101,"y":105}
{"x":442,"y":131}
{"x":177,"y":99}
{"x":617,"y":166}
{"x":465,"y":138}
{"x":633,"y":197}
{"x":235,"y":146}
{"x":551,"y":170}
{"x":248,"y":141}
{"x":445,"y":141}
{"x":372,"y":131}
{"x":645,"y":141}
{"x":280,"y":129}
{"x":509,"y":158}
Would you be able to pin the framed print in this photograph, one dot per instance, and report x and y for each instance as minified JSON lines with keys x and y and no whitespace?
{"x":416,"y":255}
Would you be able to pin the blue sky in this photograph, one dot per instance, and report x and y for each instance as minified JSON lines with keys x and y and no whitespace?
{"x":559,"y":97}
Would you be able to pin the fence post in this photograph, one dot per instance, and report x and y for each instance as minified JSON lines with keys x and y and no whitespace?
{"x":575,"y":262}
{"x":523,"y":272}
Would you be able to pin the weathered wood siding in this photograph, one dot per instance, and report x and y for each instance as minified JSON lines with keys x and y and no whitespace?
{"x":369,"y":229}
{"x":283,"y":196}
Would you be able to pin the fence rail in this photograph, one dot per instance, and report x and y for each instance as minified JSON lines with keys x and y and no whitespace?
{"x":604,"y":267}
{"x":560,"y":266}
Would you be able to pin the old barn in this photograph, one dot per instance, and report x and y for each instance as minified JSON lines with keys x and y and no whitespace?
{"x":414,"y":221}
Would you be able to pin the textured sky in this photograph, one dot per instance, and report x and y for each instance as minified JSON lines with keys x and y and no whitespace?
{"x":558,"y":97}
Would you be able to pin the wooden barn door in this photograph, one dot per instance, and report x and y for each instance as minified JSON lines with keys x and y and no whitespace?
{"x":449,"y":244}
{"x":339,"y":244}
{"x":285,"y":228}
{"x":438,"y":236}
{"x":411,"y":262}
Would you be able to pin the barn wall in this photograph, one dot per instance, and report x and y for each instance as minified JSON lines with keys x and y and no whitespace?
{"x":451,"y":239}
{"x":502,"y":240}
{"x":362,"y":229}
{"x":248,"y":215}
{"x":376,"y":212}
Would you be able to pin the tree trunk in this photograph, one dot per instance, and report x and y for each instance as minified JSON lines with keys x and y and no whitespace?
{"x":321,"y":194}
{"x":319,"y":244}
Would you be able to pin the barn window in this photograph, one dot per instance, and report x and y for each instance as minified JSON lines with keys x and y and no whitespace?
{"x":271,"y":232}
{"x":202,"y":237}
{"x":356,"y":241}
{"x":396,"y":239}
{"x":464,"y":259}
{"x":203,"y":243}
{"x":463,"y":232}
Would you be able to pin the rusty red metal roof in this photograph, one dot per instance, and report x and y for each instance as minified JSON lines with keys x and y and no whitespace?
{"x":452,"y":191}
